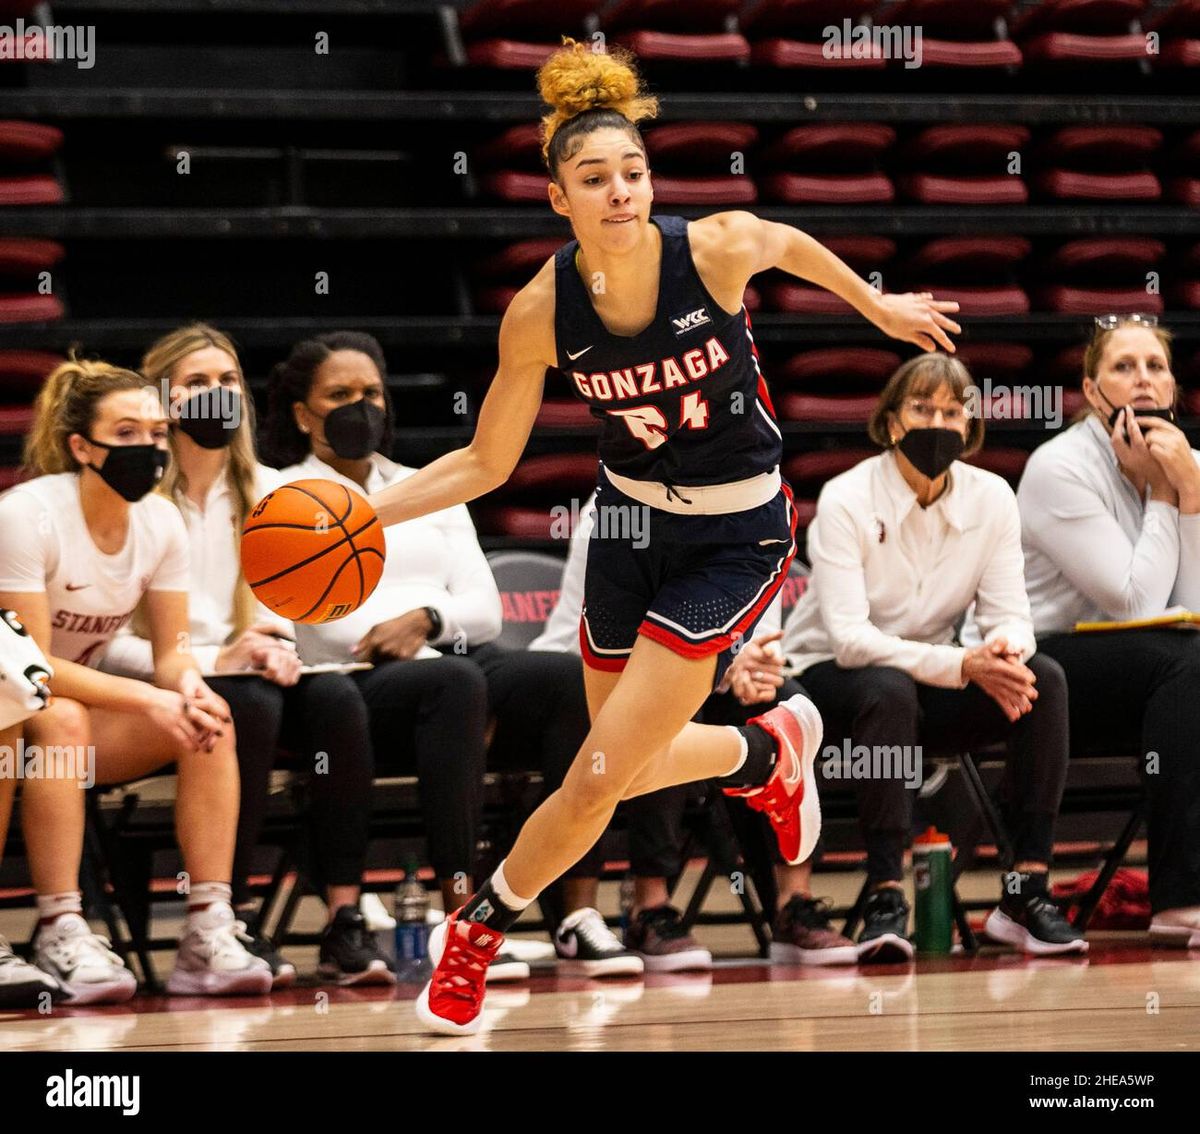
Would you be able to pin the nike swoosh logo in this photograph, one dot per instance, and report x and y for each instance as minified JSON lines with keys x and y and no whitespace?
{"x":574,"y":356}
{"x":77,"y":586}
{"x":764,"y":542}
{"x":568,"y":947}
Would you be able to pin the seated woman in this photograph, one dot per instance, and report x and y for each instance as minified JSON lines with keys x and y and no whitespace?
{"x":215,"y":479}
{"x":81,"y":545}
{"x":901,"y":546}
{"x":330,"y":417}
{"x":1110,"y":520}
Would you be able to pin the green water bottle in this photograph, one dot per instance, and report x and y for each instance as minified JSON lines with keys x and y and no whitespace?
{"x":935,"y":892}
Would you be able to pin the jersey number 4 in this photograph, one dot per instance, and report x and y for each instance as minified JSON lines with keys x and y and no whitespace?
{"x":649,"y":425}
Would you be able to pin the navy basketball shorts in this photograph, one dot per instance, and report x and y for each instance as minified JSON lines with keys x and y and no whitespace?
{"x":696,"y":584}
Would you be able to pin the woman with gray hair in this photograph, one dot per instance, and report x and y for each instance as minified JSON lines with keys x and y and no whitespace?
{"x":901,"y":546}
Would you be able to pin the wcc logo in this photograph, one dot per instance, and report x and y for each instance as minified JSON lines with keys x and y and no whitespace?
{"x":689,"y":321}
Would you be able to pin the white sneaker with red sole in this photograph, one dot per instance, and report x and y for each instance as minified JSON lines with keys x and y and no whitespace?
{"x":789,"y":797}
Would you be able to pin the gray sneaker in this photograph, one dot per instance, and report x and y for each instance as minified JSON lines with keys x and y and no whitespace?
{"x":658,"y":937}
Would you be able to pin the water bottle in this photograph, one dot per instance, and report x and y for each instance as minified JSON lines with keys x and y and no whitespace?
{"x":935,"y":892}
{"x":412,"y":927}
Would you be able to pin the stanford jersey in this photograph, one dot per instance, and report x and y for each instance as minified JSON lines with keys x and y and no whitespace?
{"x":683,"y":402}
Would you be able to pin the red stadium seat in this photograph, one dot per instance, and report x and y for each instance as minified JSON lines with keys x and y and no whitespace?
{"x":520,"y":260}
{"x":966,"y":165}
{"x":836,"y":368}
{"x":955,"y":34}
{"x":519,"y":146}
{"x":28,"y":141}
{"x":1106,"y":256}
{"x":522,"y":507}
{"x":15,"y":421}
{"x":519,"y":34}
{"x":1095,"y":275}
{"x":1179,"y":29}
{"x":678,"y":30}
{"x":22,"y":257}
{"x":808,"y":472}
{"x":1187,"y":293}
{"x":37,"y":189}
{"x":813,"y":407}
{"x":828,"y":189}
{"x":702,"y":145}
{"x":1094,"y":301}
{"x":731,"y":190}
{"x":1101,"y":163}
{"x":1004,"y":361}
{"x":565,"y":413}
{"x":831,"y":163}
{"x":791,"y":33}
{"x":1082,"y":32}
{"x":1006,"y":462}
{"x":23,"y":371}
{"x":784,"y":295}
{"x":1184,"y":187}
{"x":944,"y":266}
{"x":514,"y":185}
{"x":30,"y":308}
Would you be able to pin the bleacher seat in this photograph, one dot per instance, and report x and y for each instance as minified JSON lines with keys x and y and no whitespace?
{"x":683,"y":31}
{"x":808,"y":472}
{"x":790,"y":33}
{"x":34,"y":189}
{"x":1102,"y":274}
{"x":23,"y":257}
{"x":690,"y":163}
{"x":21,"y":308}
{"x":838,"y":368}
{"x":831,"y":163}
{"x":865,"y":254}
{"x":28,"y":141}
{"x":522,"y":508}
{"x":1003,"y":362}
{"x":520,"y":34}
{"x":1081,"y":32}
{"x":1002,"y":460}
{"x":945,"y":265}
{"x":1101,"y":163}
{"x":1184,"y":185}
{"x":957,"y":34}
{"x":1179,"y":29}
{"x":528,"y":582}
{"x":960,"y":164}
{"x":23,"y":371}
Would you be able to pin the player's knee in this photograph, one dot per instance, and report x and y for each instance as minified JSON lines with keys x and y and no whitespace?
{"x":63,"y":721}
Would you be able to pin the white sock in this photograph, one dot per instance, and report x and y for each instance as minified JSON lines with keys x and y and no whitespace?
{"x":745,"y":749}
{"x":51,"y":906}
{"x":505,"y":892}
{"x":205,"y":894}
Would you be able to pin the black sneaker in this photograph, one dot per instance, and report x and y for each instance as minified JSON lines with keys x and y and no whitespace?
{"x":658,"y":937}
{"x":23,"y":985}
{"x":801,"y":935}
{"x":884,"y":936}
{"x":350,"y":954}
{"x":1031,"y":922}
{"x":584,"y":944}
{"x":248,"y":930}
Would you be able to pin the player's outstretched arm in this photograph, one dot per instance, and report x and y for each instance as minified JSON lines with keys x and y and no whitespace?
{"x":912,"y":317}
{"x":505,"y":422}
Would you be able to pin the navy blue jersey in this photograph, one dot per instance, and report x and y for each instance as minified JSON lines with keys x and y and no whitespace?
{"x":682,"y":403}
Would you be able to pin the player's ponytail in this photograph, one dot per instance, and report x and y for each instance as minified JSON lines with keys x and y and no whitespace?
{"x":588,"y":90}
{"x":67,"y":404}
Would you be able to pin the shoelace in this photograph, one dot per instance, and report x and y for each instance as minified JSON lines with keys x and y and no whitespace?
{"x":812,"y":913}
{"x":596,"y":933}
{"x":77,"y":947}
{"x":221,"y":940}
{"x":450,"y":979}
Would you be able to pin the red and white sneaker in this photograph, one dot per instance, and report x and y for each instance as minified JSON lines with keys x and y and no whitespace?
{"x":451,"y":1004}
{"x":789,"y":797}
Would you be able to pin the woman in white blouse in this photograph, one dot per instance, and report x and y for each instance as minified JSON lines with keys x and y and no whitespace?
{"x":214,"y":479}
{"x":1110,"y":519}
{"x":901,"y":545}
{"x":430,"y":624}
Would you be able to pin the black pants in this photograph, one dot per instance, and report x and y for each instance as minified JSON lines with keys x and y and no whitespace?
{"x":880,"y":707}
{"x":540,"y":706}
{"x":323,"y":720}
{"x":427,"y":716}
{"x":1139,"y":691}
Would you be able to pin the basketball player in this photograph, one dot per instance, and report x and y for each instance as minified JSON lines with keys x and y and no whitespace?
{"x":81,"y":545}
{"x":645,"y":317}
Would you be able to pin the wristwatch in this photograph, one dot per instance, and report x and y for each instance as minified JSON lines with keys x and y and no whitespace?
{"x":435,"y":629}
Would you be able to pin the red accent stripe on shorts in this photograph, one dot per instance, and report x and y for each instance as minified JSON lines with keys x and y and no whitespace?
{"x":594,"y":660}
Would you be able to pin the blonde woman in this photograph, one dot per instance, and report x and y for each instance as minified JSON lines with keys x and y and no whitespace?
{"x":214,"y":479}
{"x":81,"y":545}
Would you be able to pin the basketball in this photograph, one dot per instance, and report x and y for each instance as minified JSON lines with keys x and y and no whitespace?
{"x":313,"y":550}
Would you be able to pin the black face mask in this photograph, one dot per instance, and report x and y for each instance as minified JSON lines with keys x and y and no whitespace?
{"x":211,"y":417}
{"x":356,"y":430}
{"x":1163,"y":413}
{"x":130,"y":470}
{"x":930,"y":450}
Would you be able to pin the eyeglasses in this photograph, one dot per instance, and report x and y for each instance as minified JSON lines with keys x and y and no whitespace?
{"x":1112,"y":322}
{"x":925,"y":411}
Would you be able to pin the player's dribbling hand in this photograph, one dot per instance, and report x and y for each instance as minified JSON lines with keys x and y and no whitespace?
{"x":397,"y":638}
{"x":916,"y":317}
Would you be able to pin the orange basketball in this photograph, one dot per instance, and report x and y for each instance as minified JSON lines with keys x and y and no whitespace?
{"x":313,"y":550}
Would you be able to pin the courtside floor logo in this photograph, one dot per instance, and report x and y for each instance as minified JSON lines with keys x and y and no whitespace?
{"x":121,"y":1092}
